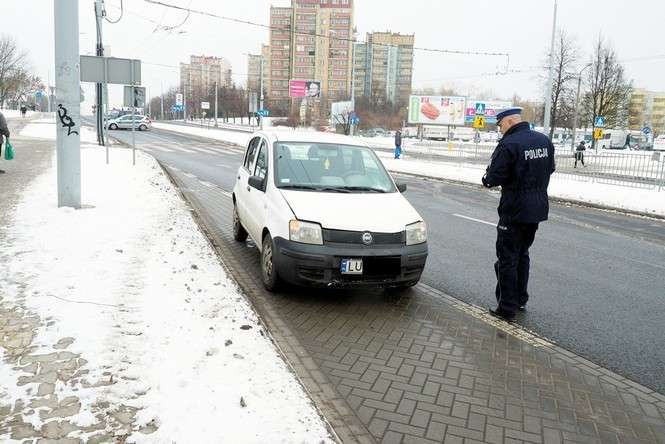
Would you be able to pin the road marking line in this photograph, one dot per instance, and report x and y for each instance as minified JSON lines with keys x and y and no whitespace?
{"x":226,"y":193}
{"x":223,"y":166}
{"x":160,"y":148}
{"x":207,"y":184}
{"x":475,"y":220}
{"x":185,"y":150}
{"x":205,"y":150}
{"x":190,"y":175}
{"x":174,"y":168}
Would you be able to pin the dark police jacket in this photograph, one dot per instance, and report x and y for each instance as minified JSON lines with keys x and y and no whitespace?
{"x":522,"y":164}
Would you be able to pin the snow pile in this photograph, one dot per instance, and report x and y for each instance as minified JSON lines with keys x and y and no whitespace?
{"x":45,"y":129}
{"x":133,"y":280}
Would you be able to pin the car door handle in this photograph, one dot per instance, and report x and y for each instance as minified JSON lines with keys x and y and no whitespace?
{"x":238,"y":177}
{"x":248,"y":188}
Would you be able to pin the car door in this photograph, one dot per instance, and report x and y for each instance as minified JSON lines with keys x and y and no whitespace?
{"x":256,"y":198}
{"x":242,"y":179}
{"x":125,"y":122}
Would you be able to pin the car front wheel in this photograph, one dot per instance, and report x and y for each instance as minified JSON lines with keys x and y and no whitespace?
{"x":113,"y":126}
{"x":269,"y":272}
{"x":143,"y":128}
{"x":239,"y":232}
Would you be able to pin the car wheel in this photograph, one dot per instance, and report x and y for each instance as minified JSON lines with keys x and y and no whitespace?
{"x":113,"y":126}
{"x":239,"y":232}
{"x":269,"y":272}
{"x":143,"y":128}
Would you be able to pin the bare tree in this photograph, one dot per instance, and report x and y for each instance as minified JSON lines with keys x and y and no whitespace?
{"x":608,"y":91}
{"x":13,"y":71}
{"x":565,"y":59}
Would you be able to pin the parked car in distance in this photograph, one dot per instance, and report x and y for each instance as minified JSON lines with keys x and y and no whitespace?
{"x":141,"y":123}
{"x":323,"y":211}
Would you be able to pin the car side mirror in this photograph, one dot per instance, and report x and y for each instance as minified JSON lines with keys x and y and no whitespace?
{"x":401,"y":187}
{"x":256,"y":182}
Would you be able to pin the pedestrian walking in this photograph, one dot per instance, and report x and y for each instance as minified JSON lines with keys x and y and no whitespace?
{"x":521,"y":165}
{"x":4,"y":134}
{"x":579,"y":153}
{"x":398,"y":144}
{"x":24,"y":110}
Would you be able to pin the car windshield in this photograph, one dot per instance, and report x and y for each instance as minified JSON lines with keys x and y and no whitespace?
{"x":330,"y":168}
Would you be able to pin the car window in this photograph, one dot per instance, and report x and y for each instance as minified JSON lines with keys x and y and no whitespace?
{"x":261,"y":169}
{"x":330,"y":168}
{"x":250,"y":155}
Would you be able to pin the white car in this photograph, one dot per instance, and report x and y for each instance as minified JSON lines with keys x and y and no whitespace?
{"x":323,"y":211}
{"x":141,"y":123}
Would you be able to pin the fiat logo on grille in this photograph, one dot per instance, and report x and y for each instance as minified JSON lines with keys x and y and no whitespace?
{"x":367,"y":238}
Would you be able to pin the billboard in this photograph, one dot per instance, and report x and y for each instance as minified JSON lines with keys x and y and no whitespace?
{"x":305,"y":88}
{"x":491,"y":108}
{"x":437,"y":110}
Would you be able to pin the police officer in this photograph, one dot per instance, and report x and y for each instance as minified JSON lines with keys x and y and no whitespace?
{"x":521,"y":165}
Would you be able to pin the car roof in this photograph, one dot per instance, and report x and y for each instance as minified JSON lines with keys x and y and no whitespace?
{"x":311,"y":136}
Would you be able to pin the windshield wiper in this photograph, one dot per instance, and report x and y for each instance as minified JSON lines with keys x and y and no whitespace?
{"x":369,"y":189}
{"x":315,"y":188}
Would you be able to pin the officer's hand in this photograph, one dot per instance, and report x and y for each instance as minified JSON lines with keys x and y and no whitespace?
{"x":487,"y":185}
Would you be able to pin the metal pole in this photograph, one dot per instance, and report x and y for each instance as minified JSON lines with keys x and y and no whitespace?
{"x":261,"y":93}
{"x":353,"y":82}
{"x":550,"y":78}
{"x":161,"y":113}
{"x":216,"y":99}
{"x":577,"y":107}
{"x":68,"y":91}
{"x":99,"y":50}
{"x":184,"y":101}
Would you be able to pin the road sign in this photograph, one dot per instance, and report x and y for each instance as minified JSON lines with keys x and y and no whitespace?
{"x":479,"y":122}
{"x":178,"y":99}
{"x":110,"y":70}
{"x":177,"y":108}
{"x":646,"y":130}
{"x":598,"y":133}
{"x":134,"y":96}
{"x":599,"y":122}
{"x":480,"y":109}
{"x":263,"y":112}
{"x":205,"y":105}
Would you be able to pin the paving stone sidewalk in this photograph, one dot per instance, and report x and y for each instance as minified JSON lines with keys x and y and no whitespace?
{"x":44,"y":368}
{"x":427,"y":368}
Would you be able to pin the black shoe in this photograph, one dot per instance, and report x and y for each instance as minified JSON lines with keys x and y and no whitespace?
{"x":500,"y":314}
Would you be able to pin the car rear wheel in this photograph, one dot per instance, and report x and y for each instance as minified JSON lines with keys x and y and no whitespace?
{"x":269,"y":272}
{"x":113,"y":126}
{"x":239,"y":232}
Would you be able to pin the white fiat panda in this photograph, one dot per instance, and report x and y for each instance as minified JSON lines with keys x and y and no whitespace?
{"x":323,"y":211}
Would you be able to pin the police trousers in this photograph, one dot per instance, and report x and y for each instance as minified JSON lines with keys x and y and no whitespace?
{"x":512,"y":267}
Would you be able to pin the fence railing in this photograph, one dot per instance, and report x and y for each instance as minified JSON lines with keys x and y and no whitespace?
{"x":640,"y":169}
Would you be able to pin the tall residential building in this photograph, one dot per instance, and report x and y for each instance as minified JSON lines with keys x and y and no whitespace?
{"x":254,"y":70}
{"x":647,"y":108}
{"x":311,"y":40}
{"x":384,"y":67}
{"x":199,"y":75}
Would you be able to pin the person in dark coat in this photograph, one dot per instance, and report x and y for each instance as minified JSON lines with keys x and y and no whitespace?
{"x":4,"y":133}
{"x":24,"y":110}
{"x":398,"y":144}
{"x":579,"y":153}
{"x":521,"y":165}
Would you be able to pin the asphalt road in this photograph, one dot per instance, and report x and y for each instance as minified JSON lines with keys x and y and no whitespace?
{"x":597,"y":282}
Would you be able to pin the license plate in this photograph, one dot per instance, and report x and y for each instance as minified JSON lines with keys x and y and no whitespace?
{"x":351,"y":266}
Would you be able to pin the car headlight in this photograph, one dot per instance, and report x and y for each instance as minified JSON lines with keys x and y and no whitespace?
{"x":416,"y":233}
{"x":305,"y":232}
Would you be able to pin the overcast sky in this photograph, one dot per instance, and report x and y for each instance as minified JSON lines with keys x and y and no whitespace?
{"x":521,"y":28}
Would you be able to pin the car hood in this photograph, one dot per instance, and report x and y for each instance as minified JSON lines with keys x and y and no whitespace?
{"x":378,"y":213}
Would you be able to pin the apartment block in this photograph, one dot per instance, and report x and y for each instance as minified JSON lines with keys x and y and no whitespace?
{"x":202,"y":72}
{"x":647,"y":108}
{"x":384,"y":67}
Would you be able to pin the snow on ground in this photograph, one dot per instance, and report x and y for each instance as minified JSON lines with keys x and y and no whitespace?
{"x":649,"y":201}
{"x":14,"y":113}
{"x":237,"y":137}
{"x":133,"y":280}
{"x":45,"y":129}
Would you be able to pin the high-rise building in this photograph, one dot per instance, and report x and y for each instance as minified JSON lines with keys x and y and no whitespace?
{"x":384,"y":67}
{"x":647,"y":108}
{"x":311,"y":40}
{"x":200,"y":75}
{"x":254,"y":70}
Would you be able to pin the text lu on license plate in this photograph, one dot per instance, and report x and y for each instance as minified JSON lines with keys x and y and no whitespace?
{"x":351,"y":266}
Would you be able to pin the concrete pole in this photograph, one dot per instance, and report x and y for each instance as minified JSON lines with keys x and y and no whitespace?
{"x":550,"y":78}
{"x":68,"y":104}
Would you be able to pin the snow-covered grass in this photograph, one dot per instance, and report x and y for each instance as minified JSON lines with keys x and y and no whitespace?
{"x":649,"y":201}
{"x":133,"y":280}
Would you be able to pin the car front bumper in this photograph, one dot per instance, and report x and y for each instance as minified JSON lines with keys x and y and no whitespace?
{"x":319,"y":265}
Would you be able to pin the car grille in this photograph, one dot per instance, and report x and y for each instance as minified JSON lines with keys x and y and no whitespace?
{"x":356,"y":237}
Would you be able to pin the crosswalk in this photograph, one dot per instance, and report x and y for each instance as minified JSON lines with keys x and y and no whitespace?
{"x":195,"y":148}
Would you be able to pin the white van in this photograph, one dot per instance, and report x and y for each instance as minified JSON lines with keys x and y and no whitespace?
{"x":323,"y":211}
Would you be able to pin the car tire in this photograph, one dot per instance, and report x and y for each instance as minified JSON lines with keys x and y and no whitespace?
{"x":113,"y":126}
{"x":269,"y":272}
{"x":239,"y":232}
{"x":143,"y":128}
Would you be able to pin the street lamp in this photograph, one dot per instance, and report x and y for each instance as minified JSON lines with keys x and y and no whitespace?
{"x":577,"y":104}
